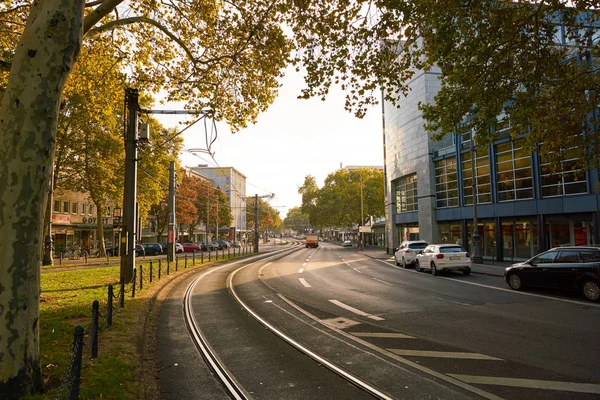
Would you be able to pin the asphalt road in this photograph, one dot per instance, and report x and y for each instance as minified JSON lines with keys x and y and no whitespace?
{"x":405,"y":334}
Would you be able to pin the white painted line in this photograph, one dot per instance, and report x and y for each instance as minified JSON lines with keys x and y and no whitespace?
{"x":530,"y":383}
{"x":452,"y":301}
{"x":379,"y":280}
{"x":304,"y":264}
{"x":356,"y":310}
{"x":307,"y":260}
{"x":443,"y":354}
{"x":357,"y":270}
{"x":579,"y":303}
{"x":301,"y":270}
{"x":303,"y":282}
{"x":389,"y":335}
{"x":340,"y":323}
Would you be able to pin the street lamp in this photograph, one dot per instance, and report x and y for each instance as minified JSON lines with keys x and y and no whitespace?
{"x":476,"y":238}
{"x":362,"y":218}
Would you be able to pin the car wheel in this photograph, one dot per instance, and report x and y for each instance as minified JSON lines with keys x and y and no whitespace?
{"x":466,"y":272}
{"x":404,"y":265}
{"x":591,"y":290}
{"x":396,"y":260}
{"x":515,"y":282}
{"x":417,"y":266}
{"x":434,"y":270}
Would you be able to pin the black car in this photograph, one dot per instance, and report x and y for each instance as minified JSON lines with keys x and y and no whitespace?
{"x":139,"y":250}
{"x":152,"y":249}
{"x":568,"y":267}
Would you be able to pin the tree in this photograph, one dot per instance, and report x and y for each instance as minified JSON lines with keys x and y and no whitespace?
{"x":186,"y":212}
{"x":296,"y":220}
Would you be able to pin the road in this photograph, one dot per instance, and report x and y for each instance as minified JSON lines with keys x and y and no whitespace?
{"x":331,"y":323}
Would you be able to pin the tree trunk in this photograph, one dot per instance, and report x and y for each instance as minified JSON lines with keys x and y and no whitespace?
{"x":28,"y":122}
{"x":100,"y":226}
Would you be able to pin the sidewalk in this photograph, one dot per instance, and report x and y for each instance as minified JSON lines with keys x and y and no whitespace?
{"x":488,"y":268}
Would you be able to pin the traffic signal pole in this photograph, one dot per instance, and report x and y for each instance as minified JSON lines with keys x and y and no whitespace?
{"x":171,"y":234}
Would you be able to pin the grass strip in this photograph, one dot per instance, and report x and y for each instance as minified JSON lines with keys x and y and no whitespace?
{"x":66,"y":301}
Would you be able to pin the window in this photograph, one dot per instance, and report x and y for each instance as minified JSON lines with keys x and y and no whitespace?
{"x":565,"y":180}
{"x":482,"y":176}
{"x":546,"y":258}
{"x":513,"y":171}
{"x":66,"y":207}
{"x":83,"y":208}
{"x":91,"y":209}
{"x":455,"y":249}
{"x":107,"y":212}
{"x":589,"y":256}
{"x":56,"y":206}
{"x":74,"y":207}
{"x":446,"y":186}
{"x":567,"y":256}
{"x":406,"y":194}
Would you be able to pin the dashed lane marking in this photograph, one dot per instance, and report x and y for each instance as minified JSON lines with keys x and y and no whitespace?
{"x":304,"y":283}
{"x":390,"y":335}
{"x":529,"y":383}
{"x":304,"y":264}
{"x":356,"y":310}
{"x":301,"y":270}
{"x":357,"y":270}
{"x":379,"y":280}
{"x":443,"y":354}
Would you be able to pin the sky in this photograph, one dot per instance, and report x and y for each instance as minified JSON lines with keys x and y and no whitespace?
{"x":292,"y":139}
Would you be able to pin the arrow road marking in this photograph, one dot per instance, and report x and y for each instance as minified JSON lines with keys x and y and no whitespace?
{"x":303,"y":282}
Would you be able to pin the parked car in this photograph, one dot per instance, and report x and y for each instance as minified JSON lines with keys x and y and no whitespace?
{"x":152,"y":249}
{"x":444,"y":257}
{"x":139,"y":250}
{"x":407,"y":252}
{"x":567,"y":267}
{"x":224,"y":244}
{"x":203,"y":246}
{"x":212,"y":245}
{"x":178,"y":247}
{"x":347,"y":243}
{"x":191,"y":248}
{"x":112,"y":251}
{"x":236,"y":244}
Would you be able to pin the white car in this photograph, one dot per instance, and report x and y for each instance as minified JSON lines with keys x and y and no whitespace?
{"x":444,"y":257}
{"x":407,"y":252}
{"x":347,"y":243}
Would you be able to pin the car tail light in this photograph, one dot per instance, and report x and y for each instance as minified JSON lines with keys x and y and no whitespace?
{"x":467,"y":255}
{"x":408,"y":251}
{"x":439,"y":255}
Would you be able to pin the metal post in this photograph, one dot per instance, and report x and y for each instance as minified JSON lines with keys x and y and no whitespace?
{"x":362,"y":217}
{"x":94,"y":332}
{"x":76,"y":372}
{"x":185,"y":262}
{"x":133,"y":283}
{"x":194,"y":258}
{"x":171,"y":234}
{"x":476,"y":238}
{"x":151,"y":271}
{"x":122,"y":293}
{"x":48,"y":242}
{"x":202,"y":258}
{"x":159,"y":268}
{"x":109,"y":306}
{"x":141,"y":277}
{"x":256,"y":223}
{"x":176,"y":262}
{"x":208,"y":255}
{"x":129,"y":195}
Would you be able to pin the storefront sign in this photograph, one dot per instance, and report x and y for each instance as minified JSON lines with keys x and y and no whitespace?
{"x":61,"y":219}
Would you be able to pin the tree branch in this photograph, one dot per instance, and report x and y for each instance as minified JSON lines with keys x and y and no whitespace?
{"x":94,"y":3}
{"x":5,"y":65}
{"x":100,"y":12}
{"x":133,"y":20}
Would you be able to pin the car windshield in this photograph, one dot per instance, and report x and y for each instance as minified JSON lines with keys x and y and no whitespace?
{"x":417,"y":246}
{"x":453,"y":249}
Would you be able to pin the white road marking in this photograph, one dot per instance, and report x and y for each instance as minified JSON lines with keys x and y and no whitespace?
{"x":304,"y":264}
{"x":579,"y":303}
{"x":382,"y":335}
{"x":303,"y":282}
{"x":530,"y":383}
{"x":443,"y":354}
{"x":451,"y":301}
{"x":379,"y":280}
{"x":356,"y":310}
{"x":307,"y":260}
{"x":301,"y":270}
{"x":357,"y":270}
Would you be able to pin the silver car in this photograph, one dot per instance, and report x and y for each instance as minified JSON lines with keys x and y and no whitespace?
{"x":444,"y":257}
{"x":407,"y":252}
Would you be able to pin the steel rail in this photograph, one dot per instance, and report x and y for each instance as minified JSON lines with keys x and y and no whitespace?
{"x":224,"y":375}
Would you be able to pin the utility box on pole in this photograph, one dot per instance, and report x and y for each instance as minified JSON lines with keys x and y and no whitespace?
{"x":172,"y":221}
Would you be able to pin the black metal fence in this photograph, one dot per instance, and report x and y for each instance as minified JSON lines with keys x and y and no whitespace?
{"x":70,"y":383}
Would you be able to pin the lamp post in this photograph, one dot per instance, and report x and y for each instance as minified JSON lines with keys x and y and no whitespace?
{"x":476,"y":238}
{"x":362,"y":218}
{"x":117,"y":225}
